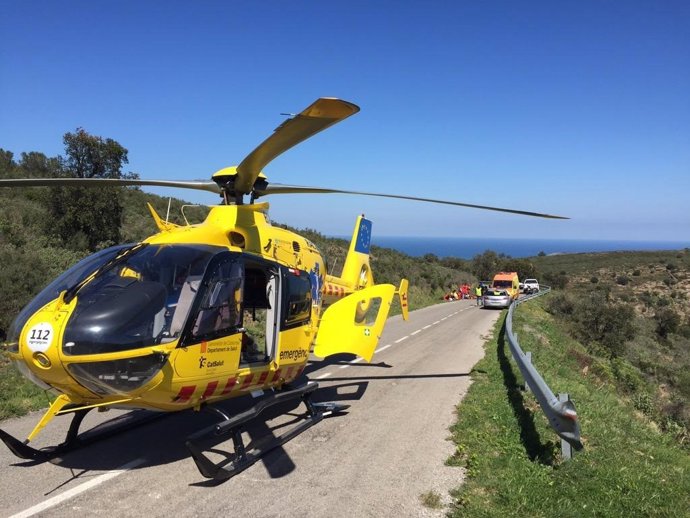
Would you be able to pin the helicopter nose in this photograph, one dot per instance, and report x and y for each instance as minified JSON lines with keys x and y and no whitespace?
{"x":40,"y":344}
{"x":40,"y":349}
{"x":40,"y":336}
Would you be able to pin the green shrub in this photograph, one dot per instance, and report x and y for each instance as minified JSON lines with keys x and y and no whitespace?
{"x":557,"y":281}
{"x":644,"y":402}
{"x":560,"y":304}
{"x":627,"y":376}
{"x":646,"y":298}
{"x":684,"y":330}
{"x":667,"y":321}
{"x":598,"y":320}
{"x":669,"y":281}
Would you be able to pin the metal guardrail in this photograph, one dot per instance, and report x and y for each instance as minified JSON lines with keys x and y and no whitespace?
{"x":559,"y":411}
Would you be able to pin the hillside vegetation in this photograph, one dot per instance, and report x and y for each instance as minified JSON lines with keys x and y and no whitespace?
{"x":629,"y":466}
{"x":631,"y":313}
{"x":614,"y":334}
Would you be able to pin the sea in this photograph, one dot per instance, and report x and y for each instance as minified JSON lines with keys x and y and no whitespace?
{"x":467,"y":248}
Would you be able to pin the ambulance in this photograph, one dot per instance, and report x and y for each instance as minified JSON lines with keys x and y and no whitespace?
{"x":507,"y":281}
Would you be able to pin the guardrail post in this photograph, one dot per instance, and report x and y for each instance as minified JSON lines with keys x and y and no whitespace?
{"x":566,"y":448}
{"x":528,"y":359}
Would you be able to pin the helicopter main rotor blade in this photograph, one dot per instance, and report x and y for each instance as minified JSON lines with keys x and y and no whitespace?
{"x":295,"y":189}
{"x":108,"y":182}
{"x":324,"y":112}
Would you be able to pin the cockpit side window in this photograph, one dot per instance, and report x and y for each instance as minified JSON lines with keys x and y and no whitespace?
{"x":297,"y":299}
{"x":219,"y":311}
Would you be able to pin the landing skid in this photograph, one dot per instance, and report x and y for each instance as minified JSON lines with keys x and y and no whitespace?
{"x":74,"y":439}
{"x":232,"y":427}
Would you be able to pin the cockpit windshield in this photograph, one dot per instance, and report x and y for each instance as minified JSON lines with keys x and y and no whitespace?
{"x":71,"y":277}
{"x":143,"y":299}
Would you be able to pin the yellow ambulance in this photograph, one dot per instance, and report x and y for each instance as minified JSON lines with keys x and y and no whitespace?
{"x":507,"y":281}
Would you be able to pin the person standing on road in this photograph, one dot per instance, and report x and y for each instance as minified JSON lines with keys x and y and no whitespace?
{"x":478,"y":294}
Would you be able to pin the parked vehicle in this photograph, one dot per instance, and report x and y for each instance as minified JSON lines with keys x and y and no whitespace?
{"x":497,"y":298}
{"x":530,"y":286}
{"x":507,"y":281}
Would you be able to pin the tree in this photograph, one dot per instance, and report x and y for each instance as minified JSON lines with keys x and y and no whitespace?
{"x":524,"y":268}
{"x":88,"y":218}
{"x":7,"y":164}
{"x":484,"y":266}
{"x":89,"y":156}
{"x":37,"y":165}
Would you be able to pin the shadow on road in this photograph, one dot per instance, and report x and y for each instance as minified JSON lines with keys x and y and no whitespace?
{"x":403,"y":376}
{"x":162,"y":441}
{"x":338,"y":360}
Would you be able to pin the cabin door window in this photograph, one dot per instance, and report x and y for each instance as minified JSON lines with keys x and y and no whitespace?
{"x":261,"y":311}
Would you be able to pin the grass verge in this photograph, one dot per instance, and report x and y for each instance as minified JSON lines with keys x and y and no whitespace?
{"x":18,"y":395}
{"x":512,"y":457}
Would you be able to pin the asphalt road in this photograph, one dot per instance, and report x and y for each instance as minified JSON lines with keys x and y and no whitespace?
{"x":374,"y":460}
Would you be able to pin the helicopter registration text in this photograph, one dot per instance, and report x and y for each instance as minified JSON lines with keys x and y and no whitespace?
{"x":40,"y":337}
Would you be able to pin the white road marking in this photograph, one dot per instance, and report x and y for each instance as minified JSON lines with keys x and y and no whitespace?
{"x":52,"y":502}
{"x":356,"y":360}
{"x":380,"y":349}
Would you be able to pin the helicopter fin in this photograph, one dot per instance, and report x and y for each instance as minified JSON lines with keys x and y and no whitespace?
{"x":163,"y":226}
{"x":356,"y":270}
{"x":404,"y":303}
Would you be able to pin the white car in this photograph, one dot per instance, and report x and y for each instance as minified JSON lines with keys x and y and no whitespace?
{"x":530,"y":286}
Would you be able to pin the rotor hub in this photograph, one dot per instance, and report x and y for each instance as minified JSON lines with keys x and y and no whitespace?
{"x":226,"y":178}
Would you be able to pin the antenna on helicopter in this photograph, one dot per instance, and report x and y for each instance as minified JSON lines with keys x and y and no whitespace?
{"x":167,"y":214}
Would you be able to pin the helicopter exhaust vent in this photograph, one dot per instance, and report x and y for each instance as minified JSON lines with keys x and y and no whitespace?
{"x":295,"y":246}
{"x":237,"y":239}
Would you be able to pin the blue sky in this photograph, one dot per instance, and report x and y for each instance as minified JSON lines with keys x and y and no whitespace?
{"x":573,"y":108}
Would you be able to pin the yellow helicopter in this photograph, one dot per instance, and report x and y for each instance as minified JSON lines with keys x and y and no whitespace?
{"x":197,"y":314}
